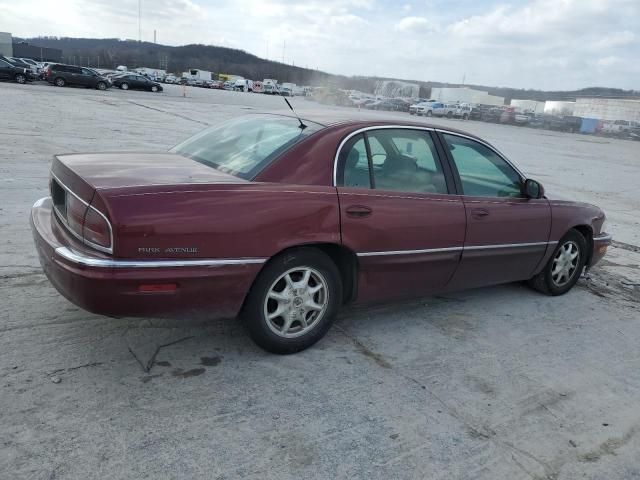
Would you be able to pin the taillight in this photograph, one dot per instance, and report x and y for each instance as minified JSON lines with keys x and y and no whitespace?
{"x":75,"y":211}
{"x":96,"y":229}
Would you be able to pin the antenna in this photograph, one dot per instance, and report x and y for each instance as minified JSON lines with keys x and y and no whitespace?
{"x":302,"y":125}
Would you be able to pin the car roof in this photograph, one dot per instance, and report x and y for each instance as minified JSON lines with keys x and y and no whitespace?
{"x":366,"y":119}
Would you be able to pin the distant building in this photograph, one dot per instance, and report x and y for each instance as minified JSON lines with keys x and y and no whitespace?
{"x":6,"y":44}
{"x":553,"y":107}
{"x":465,"y":95}
{"x":39,"y":54}
{"x":608,"y":109}
{"x":528,"y":105}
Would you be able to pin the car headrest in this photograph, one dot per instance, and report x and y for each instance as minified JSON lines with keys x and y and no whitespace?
{"x":400,"y":164}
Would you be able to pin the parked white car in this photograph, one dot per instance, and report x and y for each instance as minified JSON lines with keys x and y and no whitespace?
{"x":444,"y":110}
{"x":423,"y":108}
{"x":463,"y":111}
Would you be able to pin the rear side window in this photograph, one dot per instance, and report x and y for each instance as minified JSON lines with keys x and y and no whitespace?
{"x":400,"y":160}
{"x":356,"y":164}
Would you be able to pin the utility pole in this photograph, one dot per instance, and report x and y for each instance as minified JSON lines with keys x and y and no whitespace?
{"x":284,"y":45}
{"x":139,"y":20}
{"x":154,"y":36}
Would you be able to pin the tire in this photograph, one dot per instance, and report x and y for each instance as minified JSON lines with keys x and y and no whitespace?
{"x":101,"y":86}
{"x":411,"y":113}
{"x":449,"y":114}
{"x":59,"y":82}
{"x":154,"y":89}
{"x":124,"y":86}
{"x":465,"y":117}
{"x":551,"y":283}
{"x":20,"y":78}
{"x":323,"y":288}
{"x":429,"y":113}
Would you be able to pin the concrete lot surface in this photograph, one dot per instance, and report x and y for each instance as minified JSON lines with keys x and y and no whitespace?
{"x":494,"y":383}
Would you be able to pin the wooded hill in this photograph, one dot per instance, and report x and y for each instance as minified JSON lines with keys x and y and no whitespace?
{"x":111,"y":52}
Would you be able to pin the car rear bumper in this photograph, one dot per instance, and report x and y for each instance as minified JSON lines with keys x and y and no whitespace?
{"x":107,"y":286}
{"x":600,"y":245}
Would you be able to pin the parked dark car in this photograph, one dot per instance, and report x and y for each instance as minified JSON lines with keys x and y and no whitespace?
{"x":476,"y":113}
{"x":135,"y":82}
{"x":10,"y":71}
{"x":387,"y":104}
{"x":566,"y":123}
{"x":492,"y":114}
{"x":62,"y":75}
{"x":283,"y":220}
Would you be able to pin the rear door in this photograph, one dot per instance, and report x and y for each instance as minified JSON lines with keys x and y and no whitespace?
{"x":397,"y":214}
{"x":507,"y":234}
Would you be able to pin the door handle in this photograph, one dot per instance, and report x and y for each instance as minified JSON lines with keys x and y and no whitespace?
{"x":358,"y":211}
{"x":479,"y":212}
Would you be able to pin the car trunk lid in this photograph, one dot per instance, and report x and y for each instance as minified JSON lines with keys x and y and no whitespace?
{"x":85,"y":173}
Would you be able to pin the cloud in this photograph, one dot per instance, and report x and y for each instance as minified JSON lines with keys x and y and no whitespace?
{"x":551,"y":44}
{"x":409,"y":24}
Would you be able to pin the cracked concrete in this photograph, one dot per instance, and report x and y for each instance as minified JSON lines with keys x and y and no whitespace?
{"x":494,"y":383}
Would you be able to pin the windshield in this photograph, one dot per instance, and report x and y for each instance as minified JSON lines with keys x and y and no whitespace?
{"x":246,"y":145}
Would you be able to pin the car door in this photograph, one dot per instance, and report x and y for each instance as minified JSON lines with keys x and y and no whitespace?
{"x":88,"y":77}
{"x":73,"y":75}
{"x":507,"y":233}
{"x":397,"y":213}
{"x":5,"y":70}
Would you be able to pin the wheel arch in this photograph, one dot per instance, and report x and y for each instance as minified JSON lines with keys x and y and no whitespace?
{"x":343,"y":257}
{"x":587,"y":232}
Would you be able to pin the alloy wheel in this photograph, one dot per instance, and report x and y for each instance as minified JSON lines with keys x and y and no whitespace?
{"x":296,"y":302}
{"x":565,"y":263}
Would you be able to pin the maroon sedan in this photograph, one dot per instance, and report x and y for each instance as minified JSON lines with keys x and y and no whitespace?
{"x":282,"y":221}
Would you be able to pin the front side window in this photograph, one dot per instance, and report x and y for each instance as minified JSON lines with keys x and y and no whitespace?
{"x":401,"y":160}
{"x":244,"y":146}
{"x":483,"y":173}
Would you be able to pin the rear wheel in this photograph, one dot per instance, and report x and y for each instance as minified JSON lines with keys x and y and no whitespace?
{"x":101,"y":86}
{"x":124,"y":86}
{"x":20,"y":78}
{"x":293,"y":301}
{"x":154,"y":88}
{"x":59,"y":82}
{"x":465,"y":117}
{"x":429,"y":113}
{"x":563,"y":269}
{"x":449,"y":114}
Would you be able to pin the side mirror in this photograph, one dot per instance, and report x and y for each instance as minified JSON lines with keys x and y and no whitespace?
{"x":533,"y":189}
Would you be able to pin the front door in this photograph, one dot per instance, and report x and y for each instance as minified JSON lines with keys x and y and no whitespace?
{"x":507,"y":234}
{"x":5,"y":69}
{"x":397,"y":214}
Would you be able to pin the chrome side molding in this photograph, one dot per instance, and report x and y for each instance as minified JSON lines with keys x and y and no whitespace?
{"x":79,"y":259}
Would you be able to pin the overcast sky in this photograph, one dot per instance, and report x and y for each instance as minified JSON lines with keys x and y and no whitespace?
{"x":542,"y":44}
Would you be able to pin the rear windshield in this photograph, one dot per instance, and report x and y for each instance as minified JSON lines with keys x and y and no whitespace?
{"x":245,"y":146}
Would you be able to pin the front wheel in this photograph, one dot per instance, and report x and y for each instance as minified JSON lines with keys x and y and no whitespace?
{"x":154,"y":89}
{"x":563,"y":269}
{"x":293,"y":301}
{"x":101,"y":86}
{"x":429,"y":113}
{"x":21,"y":78}
{"x":449,"y":114}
